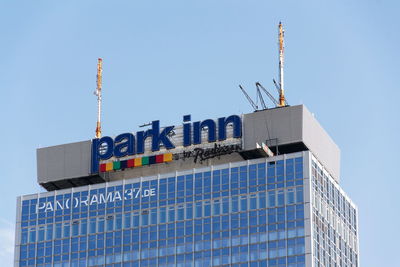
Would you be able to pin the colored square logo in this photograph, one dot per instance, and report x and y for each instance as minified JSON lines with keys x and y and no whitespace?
{"x":168,"y":157}
{"x":116,"y":165}
{"x":103,"y":167}
{"x":160,"y":158}
{"x":124,"y":164}
{"x":145,"y":161}
{"x":131,"y":163}
{"x":152,"y":159}
{"x":138,"y":162}
{"x":109,"y":166}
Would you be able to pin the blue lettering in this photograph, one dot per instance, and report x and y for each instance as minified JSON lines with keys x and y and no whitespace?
{"x":187,"y":131}
{"x":141,"y":138}
{"x":102,"y":149}
{"x":236,"y":124}
{"x":160,"y":138}
{"x":198,"y":127}
{"x":124,"y":145}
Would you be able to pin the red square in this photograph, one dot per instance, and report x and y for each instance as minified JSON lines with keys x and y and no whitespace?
{"x":131,"y":163}
{"x":160,"y":158}
{"x":103,"y":167}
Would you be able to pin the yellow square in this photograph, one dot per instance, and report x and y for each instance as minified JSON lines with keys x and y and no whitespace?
{"x":167,"y":157}
{"x":138,"y":162}
{"x":109,"y":166}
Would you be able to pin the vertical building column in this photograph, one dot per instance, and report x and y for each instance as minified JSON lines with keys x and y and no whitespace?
{"x":308,"y":223}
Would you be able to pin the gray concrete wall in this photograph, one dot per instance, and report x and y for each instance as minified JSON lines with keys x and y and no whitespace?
{"x":285,"y":124}
{"x":290,"y":125}
{"x":63,"y":161}
{"x":321,"y":144}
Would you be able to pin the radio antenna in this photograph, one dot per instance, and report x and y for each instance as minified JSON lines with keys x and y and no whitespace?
{"x":281,"y":35}
{"x":98,"y":94}
{"x":281,"y":102}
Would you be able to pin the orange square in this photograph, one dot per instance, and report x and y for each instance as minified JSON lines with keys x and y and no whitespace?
{"x":138,"y":162}
{"x":109,"y":166}
{"x":167,"y":157}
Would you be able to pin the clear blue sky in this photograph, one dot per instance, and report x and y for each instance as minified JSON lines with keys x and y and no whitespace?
{"x":164,"y":59}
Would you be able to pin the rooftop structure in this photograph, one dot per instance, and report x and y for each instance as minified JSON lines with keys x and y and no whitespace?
{"x":283,"y":130}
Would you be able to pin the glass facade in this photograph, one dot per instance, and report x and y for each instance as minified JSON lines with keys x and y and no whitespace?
{"x":334,"y":222}
{"x":249,"y":213}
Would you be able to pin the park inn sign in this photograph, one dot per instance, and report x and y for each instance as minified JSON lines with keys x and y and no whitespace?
{"x":128,"y":144}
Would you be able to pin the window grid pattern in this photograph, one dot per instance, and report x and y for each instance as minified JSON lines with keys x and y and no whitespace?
{"x":250,"y":215}
{"x":334,"y":222}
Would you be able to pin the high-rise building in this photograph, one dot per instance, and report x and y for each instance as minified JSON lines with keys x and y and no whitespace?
{"x":259,"y":189}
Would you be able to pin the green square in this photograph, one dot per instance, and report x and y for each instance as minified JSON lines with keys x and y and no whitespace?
{"x":145,"y":161}
{"x":116,"y":165}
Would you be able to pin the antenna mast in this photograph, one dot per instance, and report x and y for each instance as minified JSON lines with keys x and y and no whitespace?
{"x":98,"y":94}
{"x":282,"y":101}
